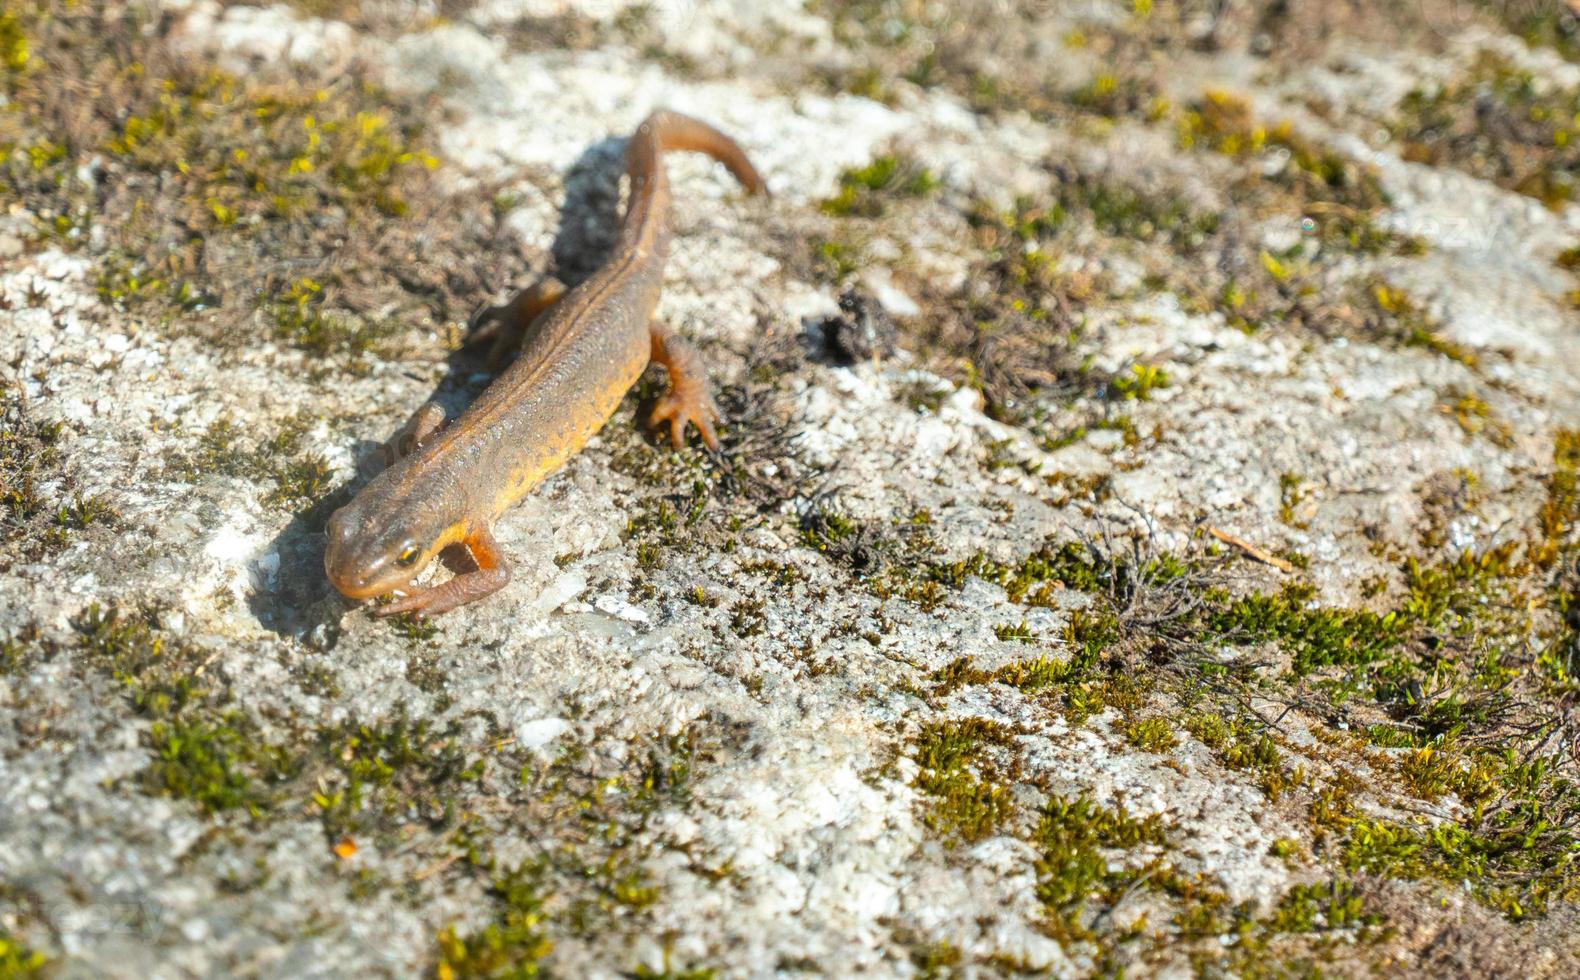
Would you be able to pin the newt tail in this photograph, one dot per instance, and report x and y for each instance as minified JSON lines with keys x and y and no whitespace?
{"x":580,"y":351}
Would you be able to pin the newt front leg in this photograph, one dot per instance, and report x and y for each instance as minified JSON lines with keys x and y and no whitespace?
{"x":507,"y":325}
{"x":491,"y":574}
{"x":411,"y":437}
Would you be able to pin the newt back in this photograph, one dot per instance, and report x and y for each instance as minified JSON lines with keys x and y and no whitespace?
{"x":576,"y":364}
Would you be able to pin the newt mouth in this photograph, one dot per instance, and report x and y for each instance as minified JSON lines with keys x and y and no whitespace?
{"x":357,"y":588}
{"x":365,"y":586}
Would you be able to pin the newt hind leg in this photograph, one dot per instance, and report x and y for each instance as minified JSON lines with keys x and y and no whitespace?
{"x":690,"y":397}
{"x":507,"y":325}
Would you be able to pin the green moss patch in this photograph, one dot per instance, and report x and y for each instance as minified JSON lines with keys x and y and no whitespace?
{"x":1075,"y":840}
{"x":969,"y":800}
{"x":1125,"y":212}
{"x":201,"y":747}
{"x":1402,"y":320}
{"x":588,"y":879}
{"x":30,"y":525}
{"x":1516,"y":855}
{"x":1450,"y":686}
{"x":437,"y":791}
{"x":1337,"y":201}
{"x":864,"y":190}
{"x":1307,"y":934}
{"x":17,"y":959}
{"x":1010,"y":335}
{"x":290,"y":477}
{"x":1117,"y":96}
{"x":1224,"y":122}
{"x":1314,"y":636}
{"x":383,"y":774}
{"x":40,"y":509}
{"x":513,"y":944}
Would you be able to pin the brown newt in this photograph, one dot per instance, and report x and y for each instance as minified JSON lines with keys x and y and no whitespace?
{"x":580,"y":351}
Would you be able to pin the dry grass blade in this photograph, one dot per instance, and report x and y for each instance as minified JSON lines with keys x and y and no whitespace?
{"x":1251,"y":550}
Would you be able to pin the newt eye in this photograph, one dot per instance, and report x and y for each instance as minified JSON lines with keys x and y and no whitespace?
{"x":407,"y":558}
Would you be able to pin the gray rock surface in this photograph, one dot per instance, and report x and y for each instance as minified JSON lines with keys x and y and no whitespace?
{"x":812,"y":705}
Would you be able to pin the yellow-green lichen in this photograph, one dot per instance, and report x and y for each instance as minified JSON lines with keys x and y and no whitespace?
{"x":203,"y":179}
{"x":18,"y":961}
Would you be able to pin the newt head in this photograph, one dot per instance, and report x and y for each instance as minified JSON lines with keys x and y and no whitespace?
{"x":369,"y":554}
